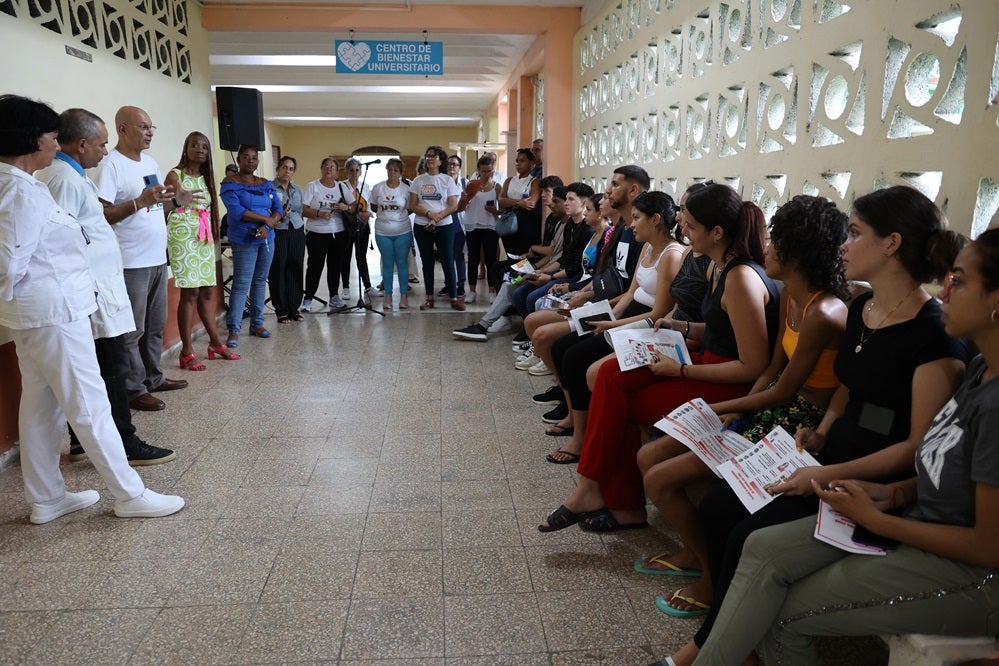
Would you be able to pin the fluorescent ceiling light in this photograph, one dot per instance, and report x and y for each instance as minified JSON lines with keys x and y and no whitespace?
{"x":415,"y":88}
{"x":340,"y":119}
{"x":274,"y":60}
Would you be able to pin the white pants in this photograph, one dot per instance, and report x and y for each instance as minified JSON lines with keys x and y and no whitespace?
{"x":60,"y":381}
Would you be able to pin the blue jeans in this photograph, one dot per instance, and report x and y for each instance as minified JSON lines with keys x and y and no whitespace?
{"x":443,"y":238}
{"x":395,"y":257}
{"x":525,"y":296}
{"x":250,"y":266}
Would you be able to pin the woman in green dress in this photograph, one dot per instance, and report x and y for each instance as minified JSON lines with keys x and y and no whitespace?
{"x":191,"y":235}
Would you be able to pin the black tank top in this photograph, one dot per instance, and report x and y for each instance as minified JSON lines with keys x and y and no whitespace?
{"x":719,"y":338}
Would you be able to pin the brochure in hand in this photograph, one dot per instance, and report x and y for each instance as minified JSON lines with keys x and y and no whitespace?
{"x":582,"y":318}
{"x":636,"y":345}
{"x":750,"y":469}
{"x":835,"y":529}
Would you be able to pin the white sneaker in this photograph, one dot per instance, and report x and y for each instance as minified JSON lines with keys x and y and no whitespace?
{"x":527,"y":352}
{"x":374,"y":292}
{"x":346,"y":292}
{"x":42,"y":513}
{"x":470,"y":297}
{"x":306,"y":305}
{"x":149,"y":504}
{"x":527,"y":363}
{"x":521,"y":347}
{"x":501,"y":325}
{"x":336,"y":303}
{"x":539,"y":369}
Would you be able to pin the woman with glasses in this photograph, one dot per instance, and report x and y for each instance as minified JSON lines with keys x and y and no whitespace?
{"x":454,"y":170}
{"x":433,"y":196}
{"x":325,"y":237}
{"x":393,"y":234}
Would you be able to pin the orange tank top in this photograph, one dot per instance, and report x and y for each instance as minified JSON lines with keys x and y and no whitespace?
{"x":823,"y":376}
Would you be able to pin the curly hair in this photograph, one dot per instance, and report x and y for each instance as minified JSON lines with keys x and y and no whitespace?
{"x":808,"y":232}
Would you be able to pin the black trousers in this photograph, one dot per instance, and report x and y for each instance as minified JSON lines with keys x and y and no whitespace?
{"x":482,"y":243}
{"x":325,"y":250}
{"x":360,"y":245}
{"x":112,"y":358}
{"x":285,"y":278}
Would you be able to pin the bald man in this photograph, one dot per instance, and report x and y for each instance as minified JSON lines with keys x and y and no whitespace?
{"x":135,"y":201}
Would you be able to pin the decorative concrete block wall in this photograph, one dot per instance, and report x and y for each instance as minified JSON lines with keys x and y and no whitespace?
{"x":781,"y":97}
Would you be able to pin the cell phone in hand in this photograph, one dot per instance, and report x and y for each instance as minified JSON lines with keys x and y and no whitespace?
{"x":863,"y":535}
{"x":151,"y":179}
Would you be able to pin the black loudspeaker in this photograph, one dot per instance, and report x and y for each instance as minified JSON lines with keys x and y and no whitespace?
{"x":241,"y":117}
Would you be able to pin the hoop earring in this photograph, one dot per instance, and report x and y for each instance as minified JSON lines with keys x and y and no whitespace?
{"x":995,"y":315}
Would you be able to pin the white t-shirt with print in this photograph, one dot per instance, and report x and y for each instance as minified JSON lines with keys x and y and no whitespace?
{"x":392,"y":218}
{"x":320,"y":197}
{"x":432,"y":192}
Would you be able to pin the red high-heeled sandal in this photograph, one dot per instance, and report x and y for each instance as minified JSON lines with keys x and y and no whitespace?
{"x":191,"y":362}
{"x":222,"y":352}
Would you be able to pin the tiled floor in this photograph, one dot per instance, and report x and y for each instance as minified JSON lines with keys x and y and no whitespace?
{"x":360,"y":490}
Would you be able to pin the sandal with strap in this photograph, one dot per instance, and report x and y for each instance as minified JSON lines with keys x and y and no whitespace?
{"x":699,"y":607}
{"x":428,"y":304}
{"x":223,"y":353}
{"x":191,"y":362}
{"x":643,"y":565}
{"x":260,"y":332}
{"x":561,"y":518}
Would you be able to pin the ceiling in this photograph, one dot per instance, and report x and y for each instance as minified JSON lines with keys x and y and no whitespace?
{"x":296,"y":72}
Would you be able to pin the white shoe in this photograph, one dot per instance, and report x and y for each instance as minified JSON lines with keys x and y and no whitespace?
{"x":470,"y":297}
{"x":149,"y":504}
{"x":527,"y":363}
{"x":42,"y":513}
{"x":501,"y":325}
{"x":346,"y":292}
{"x":539,"y":369}
{"x":306,"y":305}
{"x":374,"y":292}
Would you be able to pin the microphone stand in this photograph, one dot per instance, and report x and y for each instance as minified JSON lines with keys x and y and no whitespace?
{"x":361,"y":306}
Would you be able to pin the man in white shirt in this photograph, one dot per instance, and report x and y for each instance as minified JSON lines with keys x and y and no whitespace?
{"x":83,"y":140}
{"x":135,"y":202}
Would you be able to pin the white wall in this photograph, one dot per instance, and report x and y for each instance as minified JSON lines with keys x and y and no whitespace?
{"x":780,"y":97}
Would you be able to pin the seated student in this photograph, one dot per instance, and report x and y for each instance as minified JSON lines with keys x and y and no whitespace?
{"x":653,"y":216}
{"x":897,"y":368}
{"x":740,"y":315}
{"x":686,"y":291}
{"x":804,"y":253}
{"x":614,"y":273}
{"x":790,"y":587}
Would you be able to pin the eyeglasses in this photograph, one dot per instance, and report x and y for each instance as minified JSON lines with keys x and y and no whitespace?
{"x":144,"y":127}
{"x":432,"y":156}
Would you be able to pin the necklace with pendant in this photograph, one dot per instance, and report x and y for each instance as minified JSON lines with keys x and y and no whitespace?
{"x":863,"y":338}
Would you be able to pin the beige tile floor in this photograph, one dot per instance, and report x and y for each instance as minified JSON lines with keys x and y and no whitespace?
{"x":360,"y":491}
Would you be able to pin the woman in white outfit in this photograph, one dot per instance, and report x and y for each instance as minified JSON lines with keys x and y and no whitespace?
{"x":46,"y":295}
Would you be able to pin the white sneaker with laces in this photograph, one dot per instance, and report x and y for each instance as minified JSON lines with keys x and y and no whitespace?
{"x":501,"y":325}
{"x":470,"y":296}
{"x":44,"y":512}
{"x":306,"y":305}
{"x":149,"y":504}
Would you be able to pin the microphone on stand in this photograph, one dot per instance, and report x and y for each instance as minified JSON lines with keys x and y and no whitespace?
{"x":371,"y":162}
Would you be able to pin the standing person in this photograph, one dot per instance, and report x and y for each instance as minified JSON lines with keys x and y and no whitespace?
{"x":454,"y":170}
{"x":325,"y":237}
{"x":790,"y":587}
{"x":433,"y":196}
{"x":538,"y":148}
{"x":135,"y":200}
{"x":521,"y":193}
{"x":46,"y":293}
{"x":357,"y":195}
{"x":289,"y":245}
{"x":83,"y":140}
{"x":191,"y":234}
{"x":393,"y":234}
{"x":478,"y":205}
{"x":254,"y":211}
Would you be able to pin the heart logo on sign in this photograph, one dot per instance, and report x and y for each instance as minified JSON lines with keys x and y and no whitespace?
{"x":354,"y":56}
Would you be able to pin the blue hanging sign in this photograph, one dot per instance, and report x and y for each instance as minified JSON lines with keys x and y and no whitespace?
{"x":382,"y":57}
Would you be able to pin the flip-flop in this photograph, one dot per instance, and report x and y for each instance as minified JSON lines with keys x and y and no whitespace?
{"x":555,"y":430}
{"x":604,"y":521}
{"x":700,"y":608}
{"x":572,"y":458}
{"x":670,"y":570}
{"x":561,"y":518}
